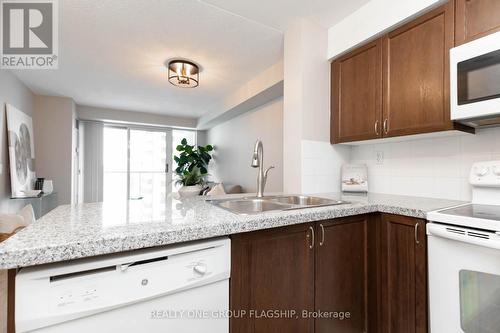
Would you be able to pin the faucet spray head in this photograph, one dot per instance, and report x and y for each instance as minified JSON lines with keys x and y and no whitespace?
{"x":255,"y":156}
{"x":255,"y":161}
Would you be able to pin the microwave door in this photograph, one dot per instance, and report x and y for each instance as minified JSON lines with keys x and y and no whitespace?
{"x":464,"y":281}
{"x":478,"y":79}
{"x":475,"y":80}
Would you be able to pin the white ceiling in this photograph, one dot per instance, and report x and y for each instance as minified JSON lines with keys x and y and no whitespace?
{"x":111,"y":52}
{"x":279,"y":13}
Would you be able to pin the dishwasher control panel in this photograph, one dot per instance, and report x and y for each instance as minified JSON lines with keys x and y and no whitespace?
{"x":77,"y":295}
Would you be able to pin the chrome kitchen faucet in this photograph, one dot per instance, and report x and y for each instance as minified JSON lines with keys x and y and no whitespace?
{"x":257,"y":162}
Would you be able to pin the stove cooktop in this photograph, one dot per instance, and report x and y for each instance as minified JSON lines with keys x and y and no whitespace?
{"x":485,"y":217}
{"x":485,"y":212}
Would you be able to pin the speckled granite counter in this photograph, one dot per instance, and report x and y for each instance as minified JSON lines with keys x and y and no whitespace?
{"x":72,"y":232}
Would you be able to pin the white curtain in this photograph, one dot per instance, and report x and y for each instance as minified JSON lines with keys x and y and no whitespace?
{"x":92,"y":161}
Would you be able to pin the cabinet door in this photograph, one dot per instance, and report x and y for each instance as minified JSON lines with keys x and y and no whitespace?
{"x":416,"y":75}
{"x":356,"y":95}
{"x":475,"y":19}
{"x":272,"y":270}
{"x":403,"y":275}
{"x":346,"y":274}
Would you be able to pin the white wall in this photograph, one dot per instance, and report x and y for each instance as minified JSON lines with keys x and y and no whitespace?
{"x":311,"y":164}
{"x":371,"y":20}
{"x":53,"y":124}
{"x":292,"y":108}
{"x":261,"y":89}
{"x":132,"y":117}
{"x":436,"y":168}
{"x":234,"y":141}
{"x":12,"y":91}
{"x":321,"y":164}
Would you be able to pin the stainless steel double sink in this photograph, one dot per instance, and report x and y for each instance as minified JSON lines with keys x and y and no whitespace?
{"x":254,"y":205}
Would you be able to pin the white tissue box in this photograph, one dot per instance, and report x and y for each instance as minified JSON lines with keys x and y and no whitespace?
{"x":354,"y":178}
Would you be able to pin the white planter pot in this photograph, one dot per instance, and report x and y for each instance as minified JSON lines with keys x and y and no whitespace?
{"x":48,"y":186}
{"x":190,"y":191}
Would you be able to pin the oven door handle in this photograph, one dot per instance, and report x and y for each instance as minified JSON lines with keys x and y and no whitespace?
{"x":464,"y":235}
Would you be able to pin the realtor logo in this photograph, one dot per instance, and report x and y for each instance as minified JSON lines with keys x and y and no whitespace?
{"x":29,"y":34}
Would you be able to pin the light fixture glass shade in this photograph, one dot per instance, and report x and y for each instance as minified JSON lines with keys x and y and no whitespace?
{"x":184,"y":74}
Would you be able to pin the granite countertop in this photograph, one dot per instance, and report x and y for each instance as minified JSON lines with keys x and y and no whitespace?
{"x":85,"y":230}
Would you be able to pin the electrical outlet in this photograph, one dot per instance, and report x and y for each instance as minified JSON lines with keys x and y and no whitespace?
{"x":380,"y":157}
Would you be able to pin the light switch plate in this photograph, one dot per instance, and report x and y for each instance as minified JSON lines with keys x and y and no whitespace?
{"x":380,"y":157}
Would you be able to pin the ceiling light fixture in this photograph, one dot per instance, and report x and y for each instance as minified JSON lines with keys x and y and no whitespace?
{"x":183,"y":73}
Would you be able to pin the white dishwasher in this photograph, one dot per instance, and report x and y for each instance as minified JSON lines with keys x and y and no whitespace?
{"x":181,"y":289}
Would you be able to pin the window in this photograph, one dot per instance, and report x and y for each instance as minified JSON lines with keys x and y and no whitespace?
{"x":115,"y":169}
{"x":137,"y":166}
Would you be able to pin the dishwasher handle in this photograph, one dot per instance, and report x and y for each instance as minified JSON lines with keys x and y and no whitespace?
{"x":464,"y":235}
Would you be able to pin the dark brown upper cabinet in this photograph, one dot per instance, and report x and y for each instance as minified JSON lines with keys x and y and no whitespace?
{"x":475,"y":19}
{"x":357,"y":95}
{"x":397,"y":85}
{"x":416,"y":75}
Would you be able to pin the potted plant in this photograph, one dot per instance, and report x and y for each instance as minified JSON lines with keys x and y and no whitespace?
{"x":192,"y":167}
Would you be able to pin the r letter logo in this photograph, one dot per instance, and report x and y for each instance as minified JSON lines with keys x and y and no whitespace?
{"x":29,"y":34}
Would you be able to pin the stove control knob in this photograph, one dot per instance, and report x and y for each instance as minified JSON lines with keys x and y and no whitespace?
{"x":496,"y":170}
{"x":481,"y":171}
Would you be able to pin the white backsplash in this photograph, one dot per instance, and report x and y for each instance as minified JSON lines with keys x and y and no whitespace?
{"x":321,"y":164}
{"x":436,"y":168}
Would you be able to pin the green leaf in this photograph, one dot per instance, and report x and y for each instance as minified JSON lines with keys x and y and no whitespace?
{"x":192,"y":162}
{"x":206,"y":156}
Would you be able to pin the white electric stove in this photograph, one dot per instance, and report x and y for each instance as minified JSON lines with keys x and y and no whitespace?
{"x":464,"y":258}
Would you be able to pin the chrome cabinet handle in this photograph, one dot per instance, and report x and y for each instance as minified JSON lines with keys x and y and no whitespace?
{"x":416,"y":232}
{"x":312,"y":237}
{"x":322,"y":235}
{"x":376,"y":128}
{"x":386,"y":127}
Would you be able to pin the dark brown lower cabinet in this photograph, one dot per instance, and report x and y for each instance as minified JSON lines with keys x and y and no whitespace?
{"x":346,"y":274}
{"x":272,"y":270}
{"x":403,"y":275}
{"x":370,"y":266}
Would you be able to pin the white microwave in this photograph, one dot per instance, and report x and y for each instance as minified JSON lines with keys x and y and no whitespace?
{"x":475,"y":82}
